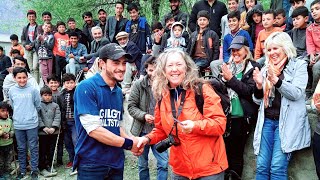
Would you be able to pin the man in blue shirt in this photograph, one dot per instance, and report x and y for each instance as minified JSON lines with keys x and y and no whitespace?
{"x":98,"y":112}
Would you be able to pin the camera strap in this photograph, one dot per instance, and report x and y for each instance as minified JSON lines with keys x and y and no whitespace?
{"x":174,"y":111}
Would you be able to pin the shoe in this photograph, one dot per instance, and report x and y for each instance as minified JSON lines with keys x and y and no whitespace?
{"x":69,"y":165}
{"x":53,"y":170}
{"x":74,"y":173}
{"x":44,"y":172}
{"x":34,"y":175}
{"x":21,"y":176}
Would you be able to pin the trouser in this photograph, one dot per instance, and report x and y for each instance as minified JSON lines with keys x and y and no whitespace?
{"x":74,"y":67}
{"x":47,"y":145}
{"x":46,"y":69}
{"x":27,"y":137}
{"x":315,"y":75}
{"x":316,"y":152}
{"x":131,"y":69}
{"x":219,"y":176}
{"x":235,"y":144}
{"x":215,"y":67}
{"x":33,"y":63}
{"x":89,"y":172}
{"x":162,"y":163}
{"x":70,"y":138}
{"x":60,"y":63}
{"x":201,"y":63}
{"x":5,"y":159}
{"x":272,"y":163}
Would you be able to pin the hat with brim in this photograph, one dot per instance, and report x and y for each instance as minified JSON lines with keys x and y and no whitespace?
{"x":122,"y":34}
{"x":114,"y":52}
{"x":238,"y":42}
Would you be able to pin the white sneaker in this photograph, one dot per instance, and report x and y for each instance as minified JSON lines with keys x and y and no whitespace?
{"x":74,"y":173}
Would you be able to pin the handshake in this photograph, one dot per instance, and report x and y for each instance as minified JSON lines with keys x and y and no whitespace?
{"x":48,"y":130}
{"x":138,"y":145}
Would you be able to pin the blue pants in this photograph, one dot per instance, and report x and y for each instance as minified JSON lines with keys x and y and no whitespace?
{"x":23,"y":137}
{"x":162,"y":163}
{"x":272,"y":163}
{"x":219,"y":176}
{"x":89,"y":172}
{"x":70,"y":138}
{"x":316,"y":152}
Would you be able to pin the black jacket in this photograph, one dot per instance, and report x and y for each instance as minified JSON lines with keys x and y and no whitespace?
{"x":112,"y":29}
{"x":25,"y":38}
{"x":211,"y":53}
{"x":245,"y":89}
{"x":95,"y":47}
{"x":63,"y":104}
{"x":216,"y":12}
{"x":135,"y":52}
{"x":5,"y":63}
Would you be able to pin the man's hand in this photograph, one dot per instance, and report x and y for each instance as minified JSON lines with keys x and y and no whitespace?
{"x":157,"y":37}
{"x":142,"y":141}
{"x":149,"y":51}
{"x":71,"y":55}
{"x":6,"y":135}
{"x":137,"y":151}
{"x":187,"y":126}
{"x":28,"y":47}
{"x":257,"y":77}
{"x":149,"y":118}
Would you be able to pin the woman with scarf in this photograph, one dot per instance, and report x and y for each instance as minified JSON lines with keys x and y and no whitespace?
{"x":282,"y":125}
{"x":237,"y":74}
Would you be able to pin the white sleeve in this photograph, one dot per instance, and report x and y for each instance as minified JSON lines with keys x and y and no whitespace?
{"x":90,"y":122}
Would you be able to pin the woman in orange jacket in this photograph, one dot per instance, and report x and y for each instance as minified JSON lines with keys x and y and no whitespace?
{"x":198,"y":150}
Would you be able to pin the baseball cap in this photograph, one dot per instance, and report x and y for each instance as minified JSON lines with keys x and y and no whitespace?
{"x":238,"y":42}
{"x":102,"y":11}
{"x":122,"y":34}
{"x":113,"y":51}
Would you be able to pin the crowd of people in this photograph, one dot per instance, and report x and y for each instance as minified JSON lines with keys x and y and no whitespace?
{"x":263,"y":58}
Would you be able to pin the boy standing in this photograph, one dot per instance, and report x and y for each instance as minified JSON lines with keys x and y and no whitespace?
{"x":233,"y":5}
{"x":268,"y":19}
{"x":61,"y":41}
{"x":204,"y":43}
{"x":176,"y":39}
{"x":6,"y":140}
{"x":15,"y":45}
{"x":313,"y":43}
{"x":67,"y":115}
{"x":25,"y":101}
{"x":49,"y":123}
{"x":44,"y":46}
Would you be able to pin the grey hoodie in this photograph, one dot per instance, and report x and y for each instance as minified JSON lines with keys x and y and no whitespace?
{"x":177,"y":42}
{"x":25,"y":102}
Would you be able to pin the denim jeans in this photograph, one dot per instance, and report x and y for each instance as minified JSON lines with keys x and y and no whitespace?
{"x":219,"y":176}
{"x":33,"y":63}
{"x":89,"y":172}
{"x":74,"y":67}
{"x":215,"y":67}
{"x":70,"y":138}
{"x":162,"y":163}
{"x":272,"y":163}
{"x":201,"y":63}
{"x":316,"y":152}
{"x":23,"y":137}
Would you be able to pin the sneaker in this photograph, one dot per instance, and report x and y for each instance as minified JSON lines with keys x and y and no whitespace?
{"x":69,"y":165}
{"x":21,"y":176}
{"x":44,"y":172}
{"x":53,"y":170}
{"x":34,"y":175}
{"x":73,"y":173}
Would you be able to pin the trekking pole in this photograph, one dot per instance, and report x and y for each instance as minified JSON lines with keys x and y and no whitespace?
{"x":54,"y":156}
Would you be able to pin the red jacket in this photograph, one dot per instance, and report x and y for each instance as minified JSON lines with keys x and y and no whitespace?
{"x":202,"y":152}
{"x":313,"y":38}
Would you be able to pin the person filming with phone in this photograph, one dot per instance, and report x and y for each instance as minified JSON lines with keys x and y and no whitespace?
{"x":197,"y":149}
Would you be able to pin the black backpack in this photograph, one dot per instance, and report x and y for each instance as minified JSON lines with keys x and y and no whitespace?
{"x":221,"y":90}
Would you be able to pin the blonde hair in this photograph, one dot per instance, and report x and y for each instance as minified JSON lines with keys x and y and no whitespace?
{"x":160,"y":82}
{"x":283,"y":40}
{"x":248,"y":56}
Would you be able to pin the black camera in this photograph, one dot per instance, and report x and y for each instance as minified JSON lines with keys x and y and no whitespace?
{"x":166,"y":143}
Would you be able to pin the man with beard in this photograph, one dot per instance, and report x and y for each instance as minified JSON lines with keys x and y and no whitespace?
{"x":116,"y":23}
{"x":72,"y":27}
{"x":133,"y":65}
{"x":96,"y":44}
{"x":178,"y":15}
{"x":98,"y":110}
{"x":102,"y":15}
{"x":88,"y":24}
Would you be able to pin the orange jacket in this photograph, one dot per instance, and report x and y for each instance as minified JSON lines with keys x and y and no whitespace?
{"x":19,"y":47}
{"x":202,"y":152}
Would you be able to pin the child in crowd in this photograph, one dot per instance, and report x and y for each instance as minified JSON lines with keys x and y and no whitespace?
{"x":249,"y":4}
{"x":268,"y":19}
{"x":204,"y":42}
{"x":176,"y":40}
{"x":157,"y":34}
{"x":67,"y":115}
{"x":232,"y":5}
{"x":294,"y":5}
{"x":254,"y":19}
{"x":49,"y":125}
{"x":280,"y":19}
{"x":25,"y":100}
{"x":6,"y":140}
{"x":44,"y":46}
{"x":313,"y":43}
{"x":61,"y":41}
{"x":15,"y":45}
{"x":234,"y":21}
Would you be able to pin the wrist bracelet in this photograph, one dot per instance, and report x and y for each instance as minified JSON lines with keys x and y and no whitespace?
{"x":127,"y":144}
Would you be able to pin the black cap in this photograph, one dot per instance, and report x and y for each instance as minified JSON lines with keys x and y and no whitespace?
{"x":113,"y":51}
{"x":101,"y":10}
{"x":238,"y":42}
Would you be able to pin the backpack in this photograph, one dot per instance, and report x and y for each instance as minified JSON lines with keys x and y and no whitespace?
{"x":221,"y":90}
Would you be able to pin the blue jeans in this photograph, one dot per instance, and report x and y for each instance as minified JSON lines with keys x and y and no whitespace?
{"x":74,"y":67}
{"x":88,"y":172}
{"x":272,"y":163}
{"x":70,"y":138}
{"x":219,"y":176}
{"x":162,"y":163}
{"x":23,"y":137}
{"x":202,"y":63}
